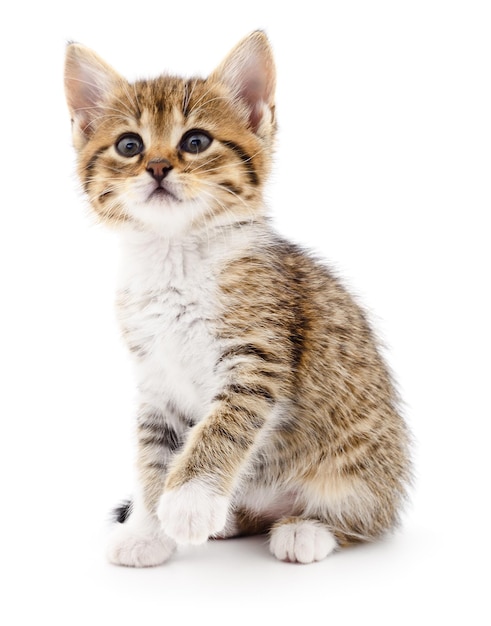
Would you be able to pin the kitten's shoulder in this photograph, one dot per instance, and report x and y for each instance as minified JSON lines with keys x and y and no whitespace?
{"x":296,"y":261}
{"x":272,"y":262}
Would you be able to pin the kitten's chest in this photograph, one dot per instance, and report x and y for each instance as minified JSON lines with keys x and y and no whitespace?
{"x":168,"y":309}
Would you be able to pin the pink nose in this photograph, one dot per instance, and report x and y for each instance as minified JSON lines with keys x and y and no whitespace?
{"x":159,"y":168}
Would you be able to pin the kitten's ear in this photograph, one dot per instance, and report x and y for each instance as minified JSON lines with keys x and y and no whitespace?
{"x":249,"y":72}
{"x":87,"y":81}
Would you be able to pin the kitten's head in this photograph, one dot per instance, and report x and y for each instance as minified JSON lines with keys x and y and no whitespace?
{"x":172,"y":154}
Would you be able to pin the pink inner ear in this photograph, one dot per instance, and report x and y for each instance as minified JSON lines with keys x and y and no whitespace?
{"x":253,"y":91}
{"x":87,"y":91}
{"x":87,"y":80}
{"x":249,"y":72}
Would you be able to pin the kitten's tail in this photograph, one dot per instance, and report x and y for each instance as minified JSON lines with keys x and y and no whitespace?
{"x":121,"y":512}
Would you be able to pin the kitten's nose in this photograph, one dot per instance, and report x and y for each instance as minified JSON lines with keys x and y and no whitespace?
{"x":159,"y":168}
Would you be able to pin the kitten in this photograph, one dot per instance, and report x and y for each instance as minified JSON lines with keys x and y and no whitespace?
{"x":265,"y":405}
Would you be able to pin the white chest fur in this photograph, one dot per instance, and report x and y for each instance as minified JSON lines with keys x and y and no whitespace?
{"x":167,"y":306}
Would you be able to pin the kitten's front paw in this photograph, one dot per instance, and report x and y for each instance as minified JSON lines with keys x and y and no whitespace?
{"x":129,"y":547}
{"x":192,"y":513}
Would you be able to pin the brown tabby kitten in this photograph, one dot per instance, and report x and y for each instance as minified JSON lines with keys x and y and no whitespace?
{"x":265,"y":405}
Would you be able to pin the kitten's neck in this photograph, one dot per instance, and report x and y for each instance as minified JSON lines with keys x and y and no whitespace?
{"x":149,"y":257}
{"x":229,"y":236}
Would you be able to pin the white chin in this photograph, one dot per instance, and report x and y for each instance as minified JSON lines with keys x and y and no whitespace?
{"x":165,"y":216}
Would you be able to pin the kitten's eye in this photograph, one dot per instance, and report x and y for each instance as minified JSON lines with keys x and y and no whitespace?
{"x":129,"y":145}
{"x":195,"y":141}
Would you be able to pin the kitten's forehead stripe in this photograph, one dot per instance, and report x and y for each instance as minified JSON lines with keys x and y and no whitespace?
{"x":189,"y":88}
{"x":158,"y":99}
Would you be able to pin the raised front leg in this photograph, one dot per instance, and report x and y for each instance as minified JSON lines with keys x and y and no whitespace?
{"x":203,"y":475}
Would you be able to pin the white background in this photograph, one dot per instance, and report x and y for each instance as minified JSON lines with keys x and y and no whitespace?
{"x":383,"y":167}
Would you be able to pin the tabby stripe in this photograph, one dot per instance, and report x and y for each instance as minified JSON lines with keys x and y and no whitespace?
{"x":244,"y":390}
{"x":93,"y":159}
{"x":188,"y":90}
{"x":242,"y":223}
{"x":249,"y":349}
{"x":245,"y":415}
{"x":157,"y":465}
{"x":241,"y":441}
{"x":356,"y":459}
{"x":105,"y":194}
{"x":354,"y":469}
{"x":246,"y":160}
{"x":254,"y":420}
{"x":156,"y":419}
{"x":91,"y":165}
{"x":226,"y":184}
{"x":170,"y":407}
{"x":271,"y":374}
{"x":163,"y":435}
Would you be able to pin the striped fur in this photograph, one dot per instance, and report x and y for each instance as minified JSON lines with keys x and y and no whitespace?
{"x":265,"y":402}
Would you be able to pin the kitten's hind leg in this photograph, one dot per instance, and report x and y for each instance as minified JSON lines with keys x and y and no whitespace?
{"x":136,"y":539}
{"x":300,"y":540}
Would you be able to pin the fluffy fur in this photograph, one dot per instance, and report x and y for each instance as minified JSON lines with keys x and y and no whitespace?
{"x":265,"y":405}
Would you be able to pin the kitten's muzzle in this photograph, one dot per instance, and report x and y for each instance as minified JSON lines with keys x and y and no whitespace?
{"x":159,"y":168}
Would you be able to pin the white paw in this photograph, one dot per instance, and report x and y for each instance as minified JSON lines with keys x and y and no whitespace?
{"x":192,"y":513}
{"x":302,"y":541}
{"x":138,"y":549}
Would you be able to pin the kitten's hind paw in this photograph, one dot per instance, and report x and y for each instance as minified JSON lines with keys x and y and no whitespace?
{"x":136,"y":549}
{"x":300,"y":540}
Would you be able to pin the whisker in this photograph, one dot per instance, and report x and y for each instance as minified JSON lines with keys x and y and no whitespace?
{"x":191,"y":170}
{"x":223,"y":188}
{"x":234,"y":218}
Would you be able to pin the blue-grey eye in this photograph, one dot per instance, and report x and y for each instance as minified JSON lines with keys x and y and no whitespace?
{"x":129,"y":145}
{"x":195,"y":141}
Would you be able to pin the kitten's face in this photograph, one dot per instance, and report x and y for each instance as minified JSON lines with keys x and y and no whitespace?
{"x":169,"y":154}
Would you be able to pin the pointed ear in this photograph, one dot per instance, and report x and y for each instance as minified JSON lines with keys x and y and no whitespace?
{"x":87,"y":81}
{"x":249,"y":72}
